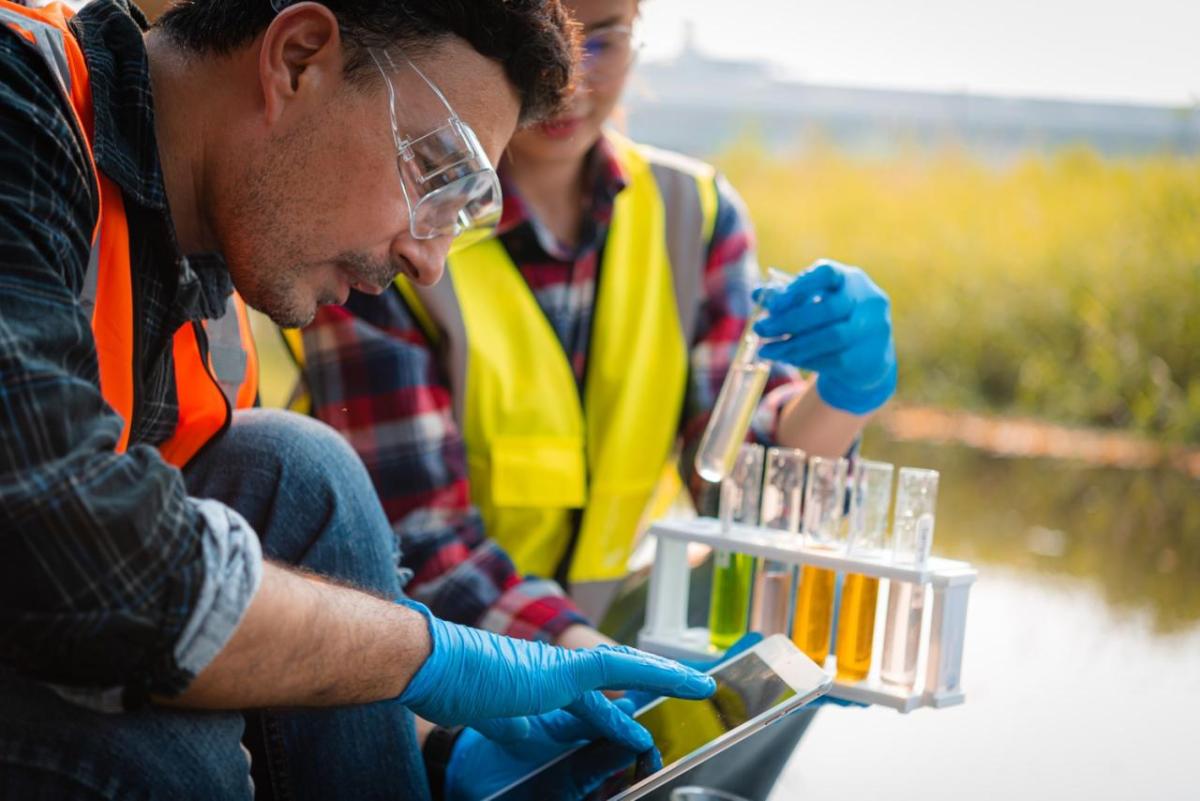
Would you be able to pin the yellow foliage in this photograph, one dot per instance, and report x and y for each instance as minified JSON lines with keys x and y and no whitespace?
{"x":1064,"y":285}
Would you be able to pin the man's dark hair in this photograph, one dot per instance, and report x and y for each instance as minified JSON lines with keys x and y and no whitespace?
{"x":535,"y":40}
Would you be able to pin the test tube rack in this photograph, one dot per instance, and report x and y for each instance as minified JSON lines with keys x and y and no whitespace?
{"x":666,"y":631}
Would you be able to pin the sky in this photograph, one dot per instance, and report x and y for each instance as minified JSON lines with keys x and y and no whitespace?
{"x":1146,"y":51}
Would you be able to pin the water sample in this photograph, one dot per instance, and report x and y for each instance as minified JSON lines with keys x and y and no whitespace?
{"x":814,"y":612}
{"x":733,"y":573}
{"x":731,"y":418}
{"x":732,"y":576}
{"x":902,"y":634}
{"x":739,"y":396}
{"x":856,"y":627}
{"x":824,"y":498}
{"x":782,"y":500}
{"x":870,"y":495}
{"x":773,"y":594}
{"x":912,"y":541}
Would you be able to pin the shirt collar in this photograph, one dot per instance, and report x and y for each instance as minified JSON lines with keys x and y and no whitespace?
{"x":606,"y":177}
{"x":124,"y":144}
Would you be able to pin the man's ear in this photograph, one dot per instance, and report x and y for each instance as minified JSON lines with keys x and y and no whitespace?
{"x":301,"y":57}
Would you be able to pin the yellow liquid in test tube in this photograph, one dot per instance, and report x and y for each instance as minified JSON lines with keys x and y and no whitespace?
{"x":856,"y":627}
{"x":814,"y":612}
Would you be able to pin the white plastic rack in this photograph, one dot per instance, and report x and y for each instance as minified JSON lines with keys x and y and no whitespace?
{"x":666,"y":631}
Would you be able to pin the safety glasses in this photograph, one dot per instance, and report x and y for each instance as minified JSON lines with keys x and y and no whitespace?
{"x":448,"y":182}
{"x":608,"y":53}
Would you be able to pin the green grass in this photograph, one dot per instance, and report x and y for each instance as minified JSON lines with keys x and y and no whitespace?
{"x":1061,"y":286}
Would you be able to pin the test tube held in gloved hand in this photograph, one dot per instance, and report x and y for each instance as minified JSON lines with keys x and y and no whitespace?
{"x":783,"y":486}
{"x":733,"y":572}
{"x":870,"y":495}
{"x":739,"y":396}
{"x":912,"y":541}
{"x":824,"y":497}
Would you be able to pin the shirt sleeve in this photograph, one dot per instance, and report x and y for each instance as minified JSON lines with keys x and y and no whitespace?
{"x":112,"y":581}
{"x":375,"y":377}
{"x":731,"y":272}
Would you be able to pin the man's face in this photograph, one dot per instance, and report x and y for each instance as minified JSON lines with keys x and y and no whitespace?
{"x":315,"y":207}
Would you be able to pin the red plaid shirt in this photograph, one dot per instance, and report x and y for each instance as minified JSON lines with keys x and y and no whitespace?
{"x":374,"y":377}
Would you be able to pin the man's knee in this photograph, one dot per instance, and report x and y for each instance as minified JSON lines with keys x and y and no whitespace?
{"x":282,"y":444}
{"x":270,"y":458}
{"x":305,"y":491}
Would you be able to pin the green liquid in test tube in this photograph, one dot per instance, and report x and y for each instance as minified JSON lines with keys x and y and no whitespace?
{"x":733,"y":573}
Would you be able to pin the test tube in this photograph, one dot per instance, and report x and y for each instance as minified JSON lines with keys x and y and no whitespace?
{"x":733,"y":572}
{"x":824,"y":498}
{"x":912,"y":540}
{"x":739,"y":396}
{"x":781,"y":503}
{"x":866,"y":532}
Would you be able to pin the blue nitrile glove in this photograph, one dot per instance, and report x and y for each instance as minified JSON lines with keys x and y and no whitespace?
{"x":837,"y":323}
{"x":478,"y":678}
{"x":744,"y":643}
{"x":480,"y":766}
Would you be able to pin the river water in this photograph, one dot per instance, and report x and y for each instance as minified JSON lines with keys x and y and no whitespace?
{"x":1082,"y":663}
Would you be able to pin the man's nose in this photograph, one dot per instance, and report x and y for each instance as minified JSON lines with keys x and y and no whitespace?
{"x":423,"y":260}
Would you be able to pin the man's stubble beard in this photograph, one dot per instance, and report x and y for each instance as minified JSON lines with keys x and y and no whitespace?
{"x":255,"y":243}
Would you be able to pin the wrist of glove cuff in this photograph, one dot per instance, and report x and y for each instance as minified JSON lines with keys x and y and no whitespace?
{"x":857,"y":400}
{"x":418,"y":686}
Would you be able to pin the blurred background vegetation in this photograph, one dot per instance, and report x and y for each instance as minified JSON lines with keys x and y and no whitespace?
{"x":1061,"y":285}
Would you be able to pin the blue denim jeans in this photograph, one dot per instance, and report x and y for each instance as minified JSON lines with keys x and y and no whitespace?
{"x":311,"y":501}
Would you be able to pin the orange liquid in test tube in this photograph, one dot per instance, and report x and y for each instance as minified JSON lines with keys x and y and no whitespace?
{"x":814,"y":613}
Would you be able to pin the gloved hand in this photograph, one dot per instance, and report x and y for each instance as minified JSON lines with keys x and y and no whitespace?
{"x":744,"y":643}
{"x":475,"y":677}
{"x":480,"y":766}
{"x":836,"y":322}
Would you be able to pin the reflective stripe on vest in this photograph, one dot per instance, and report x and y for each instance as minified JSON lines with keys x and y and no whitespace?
{"x":535,"y":453}
{"x":205,"y":390}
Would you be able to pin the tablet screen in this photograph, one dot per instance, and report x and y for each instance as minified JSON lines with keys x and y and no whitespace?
{"x":746,"y":688}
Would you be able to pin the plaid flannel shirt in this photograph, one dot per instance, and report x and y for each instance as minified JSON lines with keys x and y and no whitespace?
{"x":114,"y":584}
{"x":375,"y":377}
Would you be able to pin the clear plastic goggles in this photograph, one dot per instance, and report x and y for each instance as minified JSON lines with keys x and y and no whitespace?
{"x":608,"y":53}
{"x":448,"y":181}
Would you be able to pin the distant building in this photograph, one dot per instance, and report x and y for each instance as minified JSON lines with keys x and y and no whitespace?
{"x":699,"y":104}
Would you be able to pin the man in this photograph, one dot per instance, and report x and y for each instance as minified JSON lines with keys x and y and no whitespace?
{"x":143,"y":175}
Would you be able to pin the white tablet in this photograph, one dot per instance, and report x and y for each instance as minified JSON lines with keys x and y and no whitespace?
{"x":754,"y":689}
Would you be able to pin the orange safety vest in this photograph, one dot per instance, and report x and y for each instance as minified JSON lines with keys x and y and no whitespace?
{"x":216,"y":367}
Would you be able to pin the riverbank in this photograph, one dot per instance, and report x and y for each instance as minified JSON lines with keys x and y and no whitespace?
{"x":1031,"y":438}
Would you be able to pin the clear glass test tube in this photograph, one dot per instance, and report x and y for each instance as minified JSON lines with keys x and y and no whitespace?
{"x":824,"y":498}
{"x":782,"y":496}
{"x":866,"y":534}
{"x":733,"y":572}
{"x":739,"y":396}
{"x":912,"y":541}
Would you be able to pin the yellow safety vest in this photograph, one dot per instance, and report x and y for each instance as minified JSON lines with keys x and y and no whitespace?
{"x":546,"y":469}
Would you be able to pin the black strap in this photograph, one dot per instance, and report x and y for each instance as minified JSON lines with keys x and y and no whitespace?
{"x":436,"y":753}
